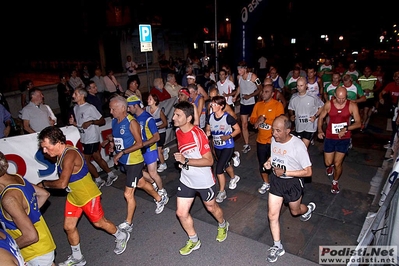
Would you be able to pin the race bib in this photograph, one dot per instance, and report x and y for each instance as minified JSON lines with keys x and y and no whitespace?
{"x":336,"y":128}
{"x":217,"y":141}
{"x":119,"y":144}
{"x":303,"y":119}
{"x":265,"y":126}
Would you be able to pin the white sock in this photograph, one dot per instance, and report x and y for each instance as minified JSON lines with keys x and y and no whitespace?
{"x":119,"y":234}
{"x":111,"y":174}
{"x":278,"y":244}
{"x":194,"y":238}
{"x":76,"y":252}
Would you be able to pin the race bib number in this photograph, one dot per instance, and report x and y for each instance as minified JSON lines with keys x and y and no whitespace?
{"x":336,"y":128}
{"x":217,"y":141}
{"x":303,"y":119}
{"x":265,"y":126}
{"x":119,"y":144}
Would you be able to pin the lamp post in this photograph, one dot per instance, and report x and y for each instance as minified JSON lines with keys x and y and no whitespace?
{"x":216,"y":42}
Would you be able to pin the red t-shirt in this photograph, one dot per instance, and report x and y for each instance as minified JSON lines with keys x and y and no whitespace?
{"x":162,"y":95}
{"x":393,"y":91}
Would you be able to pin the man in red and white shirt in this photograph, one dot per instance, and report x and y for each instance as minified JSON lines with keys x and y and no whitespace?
{"x":196,"y":161}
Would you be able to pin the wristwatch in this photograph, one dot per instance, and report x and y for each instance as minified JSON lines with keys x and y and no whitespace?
{"x":186,"y":160}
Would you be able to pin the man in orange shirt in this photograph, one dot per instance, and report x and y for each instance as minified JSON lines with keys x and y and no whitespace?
{"x":262,"y":118}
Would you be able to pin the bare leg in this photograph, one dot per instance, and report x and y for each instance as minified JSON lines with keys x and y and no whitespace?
{"x":70,"y":227}
{"x":297,"y":208}
{"x":131,"y":203}
{"x":152,"y":170}
{"x":106,"y":225}
{"x":101,"y":162}
{"x":183,"y":213}
{"x":160,"y":155}
{"x":92,"y":168}
{"x":222,"y":181}
{"x":244,"y":128}
{"x":265,"y":177}
{"x":214,"y":208}
{"x":338,"y":160}
{"x":274,"y":205}
{"x":147,"y":187}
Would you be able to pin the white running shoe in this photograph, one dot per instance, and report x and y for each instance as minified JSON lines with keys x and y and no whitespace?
{"x":221,"y":196}
{"x":162,"y":167}
{"x":246,"y":149}
{"x":166,"y":153}
{"x":111,"y":179}
{"x":264,"y":188}
{"x":233,"y":182}
{"x":236,"y":159}
{"x":100,"y":183}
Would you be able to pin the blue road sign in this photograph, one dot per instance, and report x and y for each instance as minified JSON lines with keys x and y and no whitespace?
{"x":145,"y":33}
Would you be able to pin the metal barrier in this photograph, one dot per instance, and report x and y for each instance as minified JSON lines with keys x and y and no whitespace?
{"x":384,"y":228}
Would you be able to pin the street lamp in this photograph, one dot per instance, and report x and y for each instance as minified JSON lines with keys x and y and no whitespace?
{"x":216,"y":41}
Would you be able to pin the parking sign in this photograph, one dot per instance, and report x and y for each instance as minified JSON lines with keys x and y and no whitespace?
{"x":145,"y":33}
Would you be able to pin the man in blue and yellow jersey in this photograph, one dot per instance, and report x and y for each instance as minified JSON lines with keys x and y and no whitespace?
{"x":20,"y":214}
{"x":150,"y":136}
{"x":83,"y":194}
{"x":127,"y":143}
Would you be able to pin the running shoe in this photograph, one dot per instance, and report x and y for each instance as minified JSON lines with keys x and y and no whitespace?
{"x":221,"y":196}
{"x":306,"y":216}
{"x":99,"y":183}
{"x":275,"y":252}
{"x":330,"y":170}
{"x":126,"y":227}
{"x":236,"y":159}
{"x":264,"y":188}
{"x":121,"y":244}
{"x":335,"y":187}
{"x":190,"y":247}
{"x":111,"y":179}
{"x":166,"y":153}
{"x":161,"y":204}
{"x":233,"y":182}
{"x":72,"y":261}
{"x":246,"y":148}
{"x":222,"y":232}
{"x":162,"y":167}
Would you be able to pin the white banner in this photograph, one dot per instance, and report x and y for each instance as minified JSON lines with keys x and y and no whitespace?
{"x":26,"y":158}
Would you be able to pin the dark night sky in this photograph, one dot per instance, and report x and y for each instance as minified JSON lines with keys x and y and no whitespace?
{"x":52,"y":28}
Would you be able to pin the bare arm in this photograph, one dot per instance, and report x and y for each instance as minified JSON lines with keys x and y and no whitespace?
{"x":41,"y":194}
{"x":230,"y":111}
{"x":205,"y":160}
{"x":202,"y":92}
{"x":307,"y":171}
{"x":323,"y":113}
{"x":354,"y":110}
{"x":13,"y":203}
{"x":196,"y":115}
{"x":155,"y":138}
{"x":281,"y":98}
{"x":138,"y":144}
{"x":164,"y":120}
{"x":7,"y":259}
{"x":71,"y":160}
{"x":27,"y":127}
